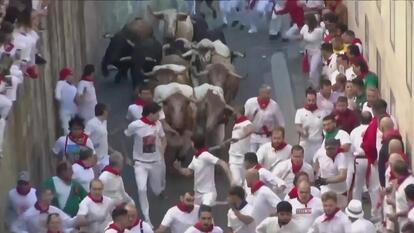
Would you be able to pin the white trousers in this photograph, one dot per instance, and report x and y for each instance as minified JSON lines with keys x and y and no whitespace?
{"x":310,"y":149}
{"x":154,"y":173}
{"x":5,"y":106}
{"x":2,"y":129}
{"x":87,"y":110}
{"x":238,"y":173}
{"x":205,"y":198}
{"x":292,"y":33}
{"x":278,"y":23}
{"x":228,"y":8}
{"x":65,"y":117}
{"x":315,"y":61}
{"x":373,"y":187}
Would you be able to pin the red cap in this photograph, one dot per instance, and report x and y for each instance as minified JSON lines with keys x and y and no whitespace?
{"x":64,"y":73}
{"x":32,"y":72}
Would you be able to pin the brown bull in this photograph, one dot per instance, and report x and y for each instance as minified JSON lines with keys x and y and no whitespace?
{"x":168,"y":75}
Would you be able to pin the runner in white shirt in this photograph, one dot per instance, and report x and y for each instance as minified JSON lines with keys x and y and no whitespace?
{"x":33,"y":220}
{"x":306,"y":208}
{"x":13,"y":80}
{"x":180,"y":217}
{"x":65,"y":94}
{"x":372,"y":96}
{"x":240,"y":145}
{"x":203,"y":168}
{"x":276,"y":184}
{"x":68,"y":147}
{"x":205,"y":222}
{"x":97,"y":130}
{"x":239,"y":216}
{"x":404,"y":178}
{"x":264,"y":200}
{"x":265,"y":114}
{"x":283,"y":223}
{"x":272,"y":153}
{"x":143,"y":96}
{"x":326,"y":97}
{"x":333,"y":219}
{"x":356,"y":215}
{"x":20,"y":198}
{"x":288,"y":169}
{"x":87,"y":93}
{"x":409,"y":195}
{"x":136,"y":225}
{"x":329,"y":61}
{"x":332,"y":170}
{"x":83,"y":168}
{"x":95,"y":209}
{"x":294,"y":193}
{"x":148,"y":154}
{"x":120,"y":221}
{"x":308,"y":122}
{"x":112,"y":180}
{"x":54,"y":224}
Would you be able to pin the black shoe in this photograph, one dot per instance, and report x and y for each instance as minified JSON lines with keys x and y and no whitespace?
{"x":274,"y":37}
{"x":285,"y":40}
{"x":241,"y":27}
{"x":234,"y":23}
{"x":39,"y":60}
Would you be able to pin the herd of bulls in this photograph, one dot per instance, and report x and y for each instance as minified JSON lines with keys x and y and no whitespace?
{"x":191,"y":74}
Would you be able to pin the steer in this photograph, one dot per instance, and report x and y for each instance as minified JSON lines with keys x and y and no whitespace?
{"x":165,"y":74}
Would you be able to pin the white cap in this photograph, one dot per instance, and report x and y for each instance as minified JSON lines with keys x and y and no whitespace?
{"x":354,"y":209}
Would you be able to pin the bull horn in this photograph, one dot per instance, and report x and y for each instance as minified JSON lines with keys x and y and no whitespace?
{"x":132,"y":44}
{"x":188,"y":53}
{"x":108,"y":35}
{"x":182,"y":16}
{"x":157,"y":14}
{"x":151,"y":73}
{"x":234,"y":74}
{"x":127,"y":58}
{"x":238,"y":54}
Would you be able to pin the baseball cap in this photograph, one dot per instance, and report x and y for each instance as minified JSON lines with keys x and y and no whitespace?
{"x":23,"y":176}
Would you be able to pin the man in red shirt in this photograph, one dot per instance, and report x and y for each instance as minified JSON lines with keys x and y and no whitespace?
{"x":346,"y":119}
{"x":295,"y":10}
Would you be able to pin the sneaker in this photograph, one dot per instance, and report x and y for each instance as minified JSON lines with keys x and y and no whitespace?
{"x":274,"y":37}
{"x":252,"y":30}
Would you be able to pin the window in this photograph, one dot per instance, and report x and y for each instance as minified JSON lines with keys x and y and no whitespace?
{"x":356,"y":12}
{"x":379,"y":6}
{"x":379,"y":64}
{"x":366,"y":39}
{"x":409,"y":50}
{"x":392,"y":23}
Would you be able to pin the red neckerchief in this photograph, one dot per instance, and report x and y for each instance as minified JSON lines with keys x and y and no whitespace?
{"x":296,"y":168}
{"x":266,"y":131}
{"x":111,"y":170}
{"x":401,"y":180}
{"x":184,"y":208}
{"x":263,"y":103}
{"x":293,"y":193}
{"x":201,"y":150}
{"x":87,"y":78}
{"x":81,"y":141}
{"x":391,"y":134}
{"x":137,"y":221}
{"x":139,"y":101}
{"x":256,"y":186}
{"x":39,"y":208}
{"x":356,"y":41}
{"x":369,"y":145}
{"x":330,"y":216}
{"x":392,"y":175}
{"x":99,"y":200}
{"x":23,"y":191}
{"x":115,"y":227}
{"x":280,"y":146}
{"x":82,"y":164}
{"x":305,"y":203}
{"x":311,"y":107}
{"x":8,"y":47}
{"x":200,"y":226}
{"x":147,"y":121}
{"x":327,"y":38}
{"x":241,"y":119}
{"x":258,"y":166}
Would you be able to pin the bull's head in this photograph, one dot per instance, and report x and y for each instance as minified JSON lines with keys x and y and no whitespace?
{"x":171,"y":17}
{"x":118,"y":51}
{"x":178,"y":112}
{"x":216,"y":110}
{"x":165,"y":74}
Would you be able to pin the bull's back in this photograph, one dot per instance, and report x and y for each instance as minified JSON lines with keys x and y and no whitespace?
{"x":185,"y":29}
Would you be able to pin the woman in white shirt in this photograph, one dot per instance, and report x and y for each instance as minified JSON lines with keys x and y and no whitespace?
{"x":312,"y":34}
{"x":87,"y":93}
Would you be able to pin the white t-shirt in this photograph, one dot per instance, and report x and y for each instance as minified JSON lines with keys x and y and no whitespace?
{"x":329,"y":168}
{"x":313,"y":40}
{"x":312,"y":121}
{"x":178,"y":221}
{"x":271,"y":225}
{"x":284,"y":171}
{"x":135,"y":112}
{"x":330,"y":66}
{"x":65,"y":93}
{"x":264,"y":203}
{"x":18,"y":204}
{"x":98,"y":132}
{"x":268,"y":157}
{"x":349,"y":73}
{"x":147,"y":140}
{"x":26,"y":42}
{"x":62,"y":191}
{"x":343,"y":138}
{"x":83,"y":175}
{"x":238,"y":226}
{"x":363,"y":226}
{"x":192,"y":229}
{"x":339,"y":224}
{"x":87,"y":89}
{"x":12,"y":89}
{"x":327,"y":105}
{"x":98,"y":214}
{"x":146,"y":228}
{"x":239,"y":148}
{"x":270,"y":117}
{"x":203,"y":167}
{"x":356,"y":139}
{"x":114,"y":188}
{"x":305,"y":214}
{"x":411,"y":215}
{"x":65,"y":146}
{"x":401,"y":203}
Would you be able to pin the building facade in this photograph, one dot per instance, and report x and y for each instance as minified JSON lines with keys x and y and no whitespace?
{"x":386,"y":28}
